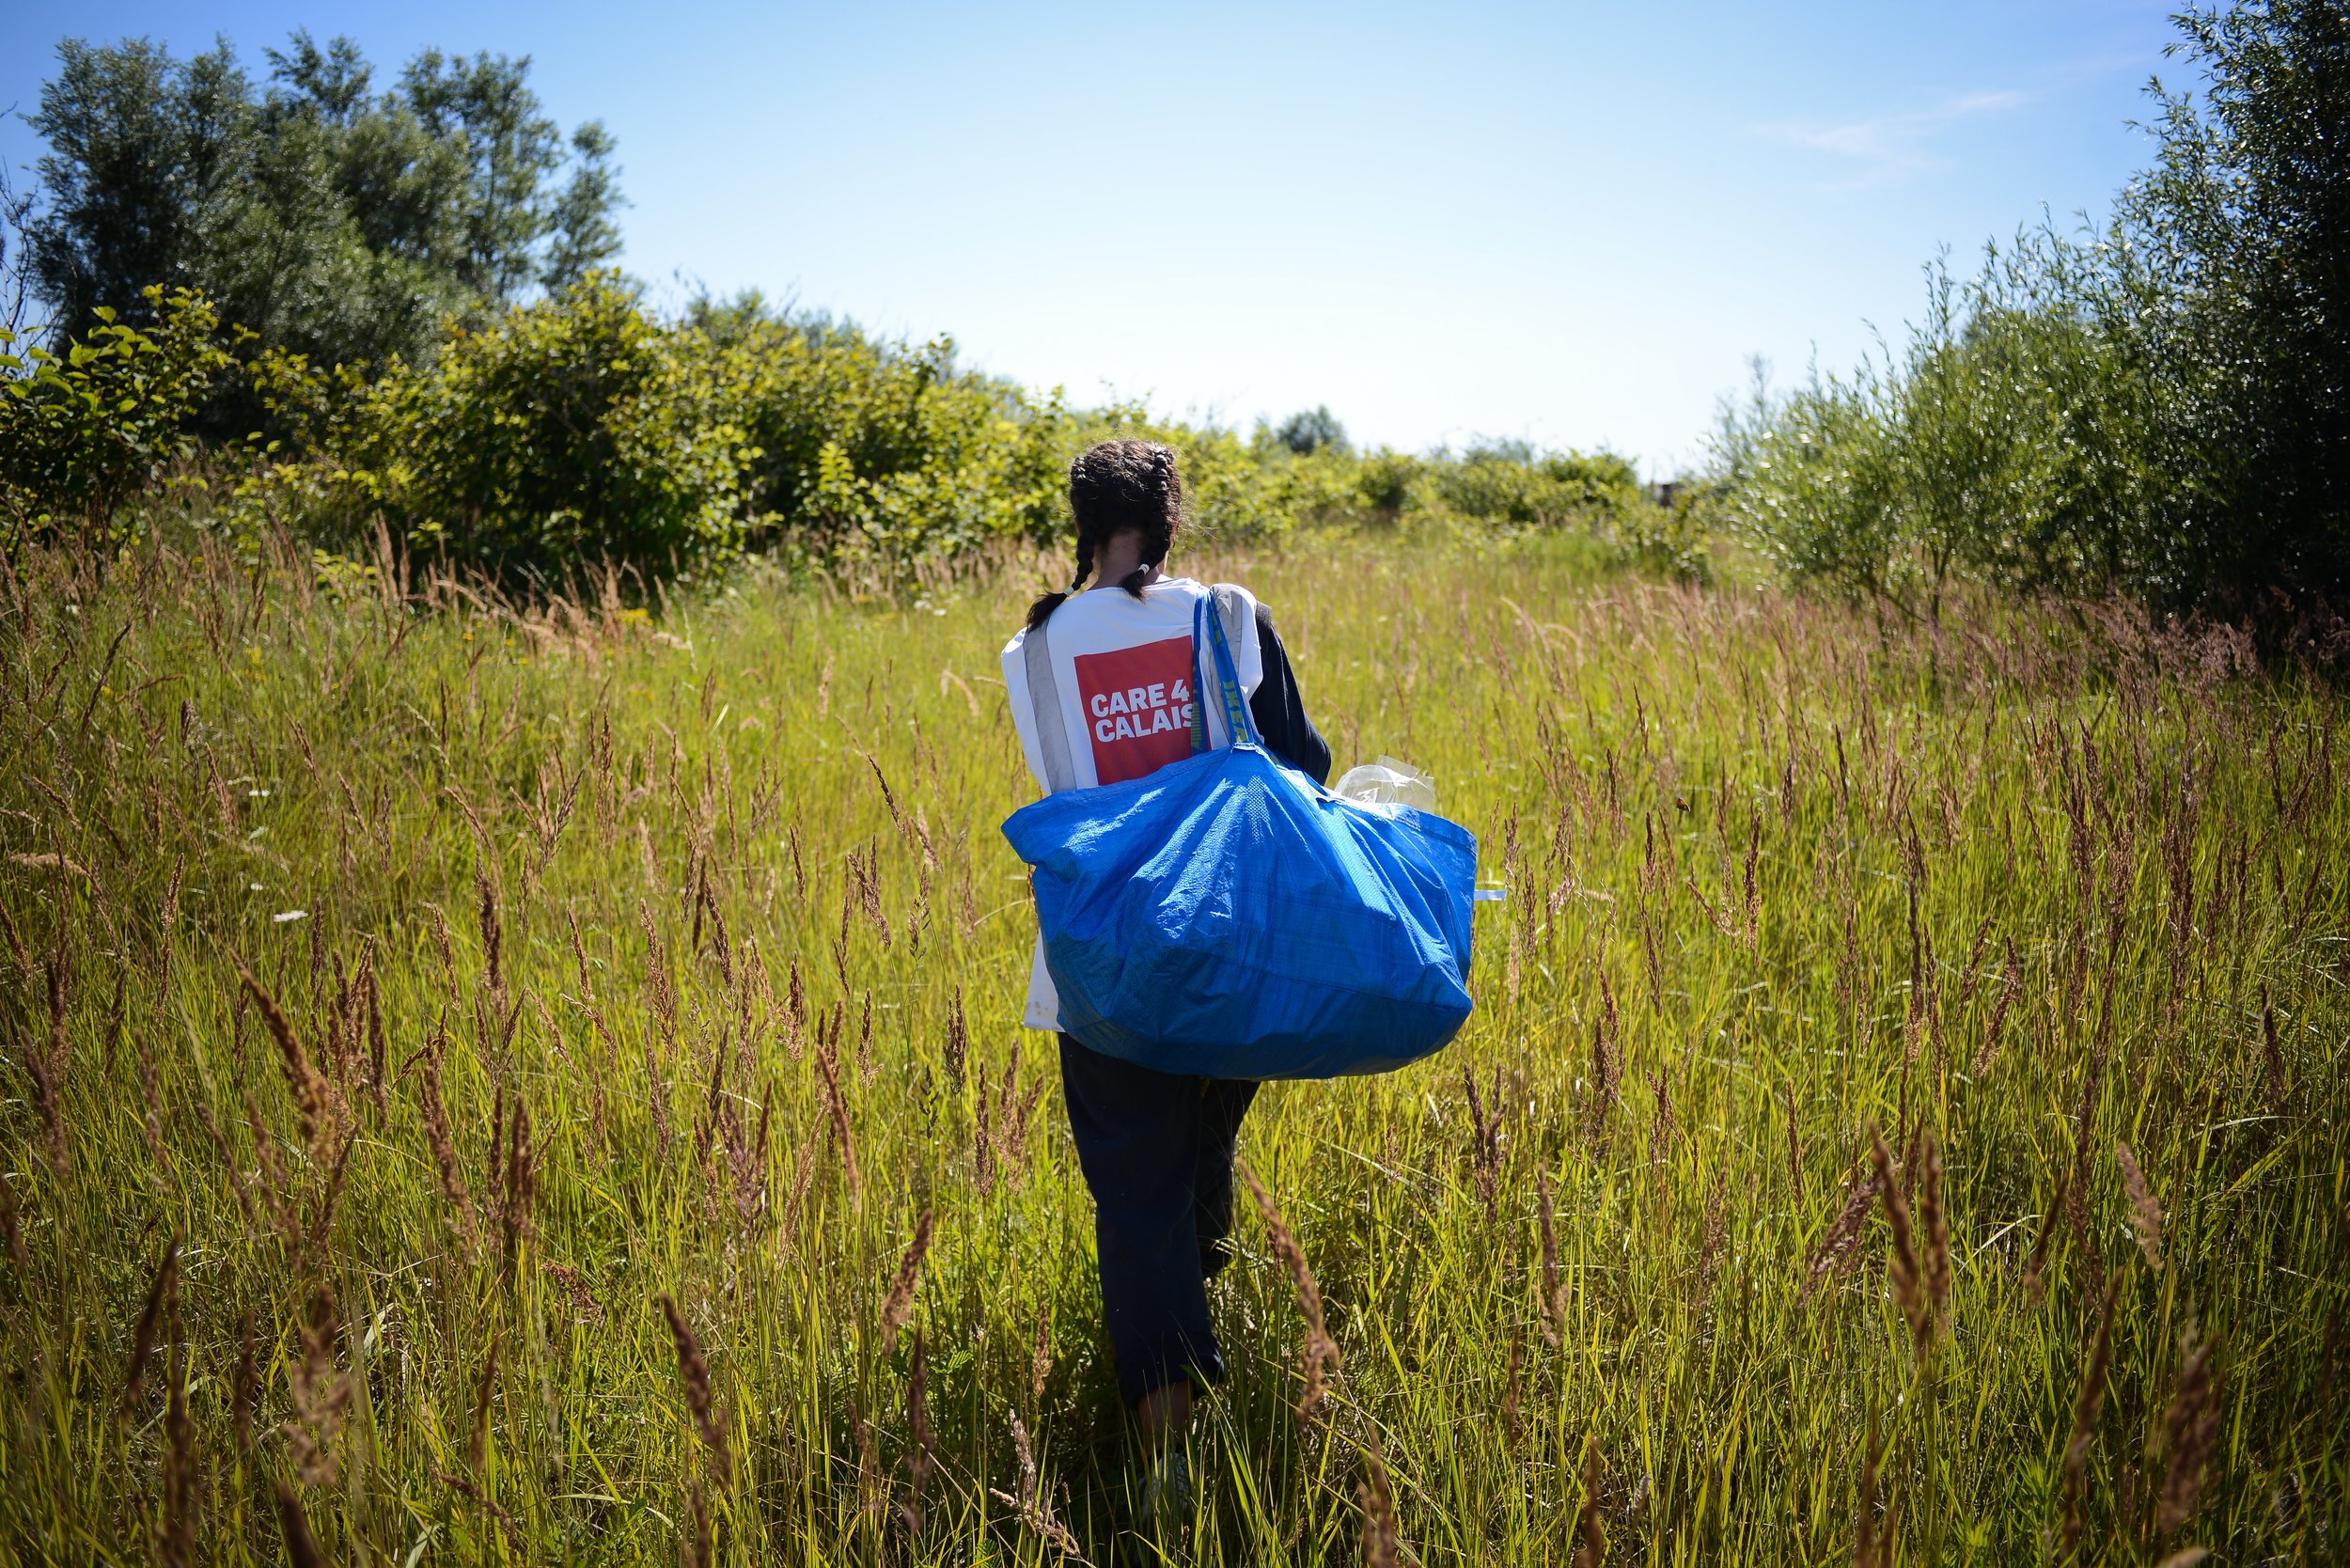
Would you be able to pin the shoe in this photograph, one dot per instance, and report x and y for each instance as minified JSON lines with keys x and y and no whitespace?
{"x":1166,"y":1490}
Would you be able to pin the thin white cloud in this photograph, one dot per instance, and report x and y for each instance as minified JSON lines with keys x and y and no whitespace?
{"x":1886,"y":148}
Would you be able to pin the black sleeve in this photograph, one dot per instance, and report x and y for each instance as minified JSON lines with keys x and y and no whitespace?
{"x":1280,"y":716}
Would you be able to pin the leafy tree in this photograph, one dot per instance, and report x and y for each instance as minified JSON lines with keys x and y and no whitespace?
{"x":2241,"y":229}
{"x":16,"y":276}
{"x":1311,"y":430}
{"x":2160,"y":408}
{"x":334,"y":221}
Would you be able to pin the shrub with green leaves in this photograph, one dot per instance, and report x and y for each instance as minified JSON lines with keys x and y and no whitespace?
{"x":83,"y":430}
{"x":2006,"y":442}
{"x":1509,"y":482}
{"x":870,"y":453}
{"x":572,"y":433}
{"x":583,"y":431}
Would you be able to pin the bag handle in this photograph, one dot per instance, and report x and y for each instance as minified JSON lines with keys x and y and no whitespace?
{"x":1052,"y":725}
{"x":1238,"y":723}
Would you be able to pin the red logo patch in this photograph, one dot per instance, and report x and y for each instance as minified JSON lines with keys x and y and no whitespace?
{"x":1137,"y":707}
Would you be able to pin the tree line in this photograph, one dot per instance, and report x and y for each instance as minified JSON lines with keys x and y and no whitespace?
{"x":316,"y":303}
{"x":310,"y":305}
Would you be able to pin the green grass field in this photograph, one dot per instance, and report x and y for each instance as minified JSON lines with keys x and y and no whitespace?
{"x":600,"y":957}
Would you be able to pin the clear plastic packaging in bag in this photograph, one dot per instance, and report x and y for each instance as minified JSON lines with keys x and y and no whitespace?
{"x":1388,"y":782}
{"x":1391,"y":782}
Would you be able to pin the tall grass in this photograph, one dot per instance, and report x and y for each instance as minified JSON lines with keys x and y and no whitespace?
{"x":500,"y":1085}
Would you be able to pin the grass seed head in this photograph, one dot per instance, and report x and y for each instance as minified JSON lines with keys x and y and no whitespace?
{"x":477,"y":1440}
{"x":322,"y":1397}
{"x":2145,"y":1213}
{"x":1382,"y":1539}
{"x":900,"y":1299}
{"x":48,"y":1068}
{"x":2190,"y":1430}
{"x":1040,"y":1357}
{"x":175,"y":1540}
{"x":1591,"y":1542}
{"x":795,"y":1013}
{"x":317,"y":1104}
{"x":1321,"y":1352}
{"x":301,"y":1547}
{"x":162,"y":1292}
{"x":1839,"y":1236}
{"x":698,"y":1547}
{"x":1715,"y":1234}
{"x":693,"y":1373}
{"x":2035,"y":1269}
{"x":1034,"y":1509}
{"x":12,"y":1229}
{"x":2011,"y":986}
{"x":438,"y":1134}
{"x":1553,"y":1302}
{"x":1485,"y":1146}
{"x":828,"y":1063}
{"x":2272,"y":1055}
{"x":1937,"y":1230}
{"x":2086,"y":1404}
{"x":1904,"y":1270}
{"x":492,"y":935}
{"x":958,"y":1041}
{"x":921,"y":1443}
{"x":1606,"y":1064}
{"x":803,"y":1174}
{"x":1662,"y":1130}
{"x":1872,"y":1536}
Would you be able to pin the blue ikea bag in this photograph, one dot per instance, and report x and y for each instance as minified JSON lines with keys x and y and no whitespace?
{"x":1228,"y":918}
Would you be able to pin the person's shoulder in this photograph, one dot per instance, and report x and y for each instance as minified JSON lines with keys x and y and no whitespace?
{"x":1239,"y":590}
{"x":1254,"y":617}
{"x":1019,"y":640}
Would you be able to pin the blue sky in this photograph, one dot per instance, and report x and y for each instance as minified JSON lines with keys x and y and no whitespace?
{"x":1567,"y":223}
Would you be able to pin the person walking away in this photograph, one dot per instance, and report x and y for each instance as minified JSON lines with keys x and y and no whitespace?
{"x":1156,"y":1148}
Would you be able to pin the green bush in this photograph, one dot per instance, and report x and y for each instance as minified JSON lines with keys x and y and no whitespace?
{"x":1384,"y":482}
{"x":580,"y":432}
{"x":1804,"y":480}
{"x":573,"y":432}
{"x":2005,"y":443}
{"x":1508,"y":482}
{"x":1259,"y":487}
{"x":2237,"y":300}
{"x":869,"y":451}
{"x":84,"y":431}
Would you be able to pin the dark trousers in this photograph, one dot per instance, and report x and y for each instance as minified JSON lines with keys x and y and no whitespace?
{"x":1157,"y":1152}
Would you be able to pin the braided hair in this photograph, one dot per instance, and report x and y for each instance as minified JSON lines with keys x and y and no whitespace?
{"x":1118,"y":486}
